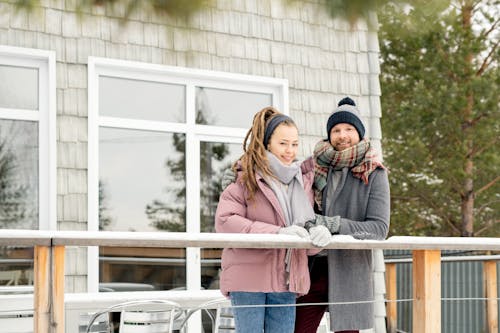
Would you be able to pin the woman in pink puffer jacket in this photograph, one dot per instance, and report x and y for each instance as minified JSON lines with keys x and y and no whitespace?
{"x":272,"y":194}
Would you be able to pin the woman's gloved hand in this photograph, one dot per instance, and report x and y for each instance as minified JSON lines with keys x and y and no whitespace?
{"x":294,"y":230}
{"x":320,"y":235}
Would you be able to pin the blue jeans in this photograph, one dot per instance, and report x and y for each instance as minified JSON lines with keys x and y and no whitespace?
{"x":272,"y":319}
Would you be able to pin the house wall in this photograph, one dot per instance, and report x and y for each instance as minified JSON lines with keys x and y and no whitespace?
{"x":322,"y":59}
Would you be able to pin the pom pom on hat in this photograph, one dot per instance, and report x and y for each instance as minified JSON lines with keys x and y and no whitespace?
{"x":346,"y":112}
{"x":346,"y":100}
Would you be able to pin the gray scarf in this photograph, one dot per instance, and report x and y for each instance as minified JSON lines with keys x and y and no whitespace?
{"x":289,"y":189}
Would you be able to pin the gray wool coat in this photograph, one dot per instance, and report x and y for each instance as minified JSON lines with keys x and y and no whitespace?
{"x":365,"y":213}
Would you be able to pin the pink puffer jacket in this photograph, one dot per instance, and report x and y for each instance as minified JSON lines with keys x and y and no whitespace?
{"x":260,"y":270}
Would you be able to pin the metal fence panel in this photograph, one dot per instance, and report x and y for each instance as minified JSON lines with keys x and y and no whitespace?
{"x":462,"y":281}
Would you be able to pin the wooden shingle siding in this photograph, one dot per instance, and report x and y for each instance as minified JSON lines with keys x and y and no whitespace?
{"x":322,"y":59}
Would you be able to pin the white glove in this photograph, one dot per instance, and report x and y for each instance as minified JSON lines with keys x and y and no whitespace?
{"x":320,"y":235}
{"x":294,"y":230}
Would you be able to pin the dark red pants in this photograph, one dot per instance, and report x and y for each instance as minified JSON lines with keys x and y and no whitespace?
{"x":308,"y":316}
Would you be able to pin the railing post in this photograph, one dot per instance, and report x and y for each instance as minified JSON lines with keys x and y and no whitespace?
{"x":58,"y":289}
{"x":48,"y":296}
{"x":426,"y":291}
{"x":41,"y":267}
{"x":491,"y":293}
{"x":391,"y":296}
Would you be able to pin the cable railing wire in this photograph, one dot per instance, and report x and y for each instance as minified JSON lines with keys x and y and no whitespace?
{"x":403,"y":300}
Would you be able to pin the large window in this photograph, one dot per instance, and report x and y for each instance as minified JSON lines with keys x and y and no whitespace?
{"x":27,"y":153}
{"x":159,"y":139}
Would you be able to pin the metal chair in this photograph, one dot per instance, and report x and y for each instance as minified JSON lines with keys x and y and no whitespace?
{"x":10,"y":277}
{"x":222,"y":320}
{"x":99,"y":324}
{"x":145,"y":316}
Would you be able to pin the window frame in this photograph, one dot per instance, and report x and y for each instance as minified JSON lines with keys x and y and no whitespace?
{"x":195,"y":133}
{"x":45,"y":62}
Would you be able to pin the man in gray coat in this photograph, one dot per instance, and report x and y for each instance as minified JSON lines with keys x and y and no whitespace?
{"x":352,"y":194}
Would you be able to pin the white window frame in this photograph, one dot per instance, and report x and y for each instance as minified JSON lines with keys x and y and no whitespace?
{"x":195,"y":133}
{"x":45,"y":62}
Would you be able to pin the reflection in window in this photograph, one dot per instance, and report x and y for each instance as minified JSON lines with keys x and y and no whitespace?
{"x":215,"y":157}
{"x":19,"y":87}
{"x":145,"y":100}
{"x":141,"y":269}
{"x":228,"y":107}
{"x":142,"y":183}
{"x":142,"y":187}
{"x":18,"y":174}
{"x":16,"y":266}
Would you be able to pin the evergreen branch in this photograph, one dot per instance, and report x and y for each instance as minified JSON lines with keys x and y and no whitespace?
{"x":458,"y":189}
{"x":492,"y":28}
{"x":404,"y":198}
{"x":484,"y":147}
{"x":456,"y":186}
{"x":487,"y":186}
{"x":474,"y":121}
{"x":488,"y":60}
{"x":452,"y":226}
{"x":486,"y":205}
{"x":475,"y":5}
{"x":445,"y":57}
{"x":427,"y":199}
{"x":488,"y":225}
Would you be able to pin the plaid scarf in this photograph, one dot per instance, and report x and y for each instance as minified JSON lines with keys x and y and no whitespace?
{"x":361,"y":158}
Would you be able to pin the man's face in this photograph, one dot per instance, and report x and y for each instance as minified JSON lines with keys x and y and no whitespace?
{"x":343,"y":136}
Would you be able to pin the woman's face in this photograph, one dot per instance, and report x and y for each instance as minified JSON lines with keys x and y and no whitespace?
{"x":343,"y":136}
{"x":284,"y":143}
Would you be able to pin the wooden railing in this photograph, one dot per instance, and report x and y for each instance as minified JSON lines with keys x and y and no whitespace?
{"x":50,"y":251}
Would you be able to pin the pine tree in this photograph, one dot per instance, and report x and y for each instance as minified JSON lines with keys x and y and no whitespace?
{"x":440,"y":80}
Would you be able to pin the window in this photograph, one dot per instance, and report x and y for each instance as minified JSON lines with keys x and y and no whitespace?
{"x":159,"y":139}
{"x":27,"y":153}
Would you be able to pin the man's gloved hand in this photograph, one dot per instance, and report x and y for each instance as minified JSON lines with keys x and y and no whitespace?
{"x":331,"y":222}
{"x":294,"y":230}
{"x":320,"y":235}
{"x":228,"y":177}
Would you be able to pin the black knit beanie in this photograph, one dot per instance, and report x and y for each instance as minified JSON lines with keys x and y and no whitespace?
{"x":346,"y":112}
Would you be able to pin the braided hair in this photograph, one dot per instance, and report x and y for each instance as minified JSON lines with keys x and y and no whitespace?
{"x":254,"y":152}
